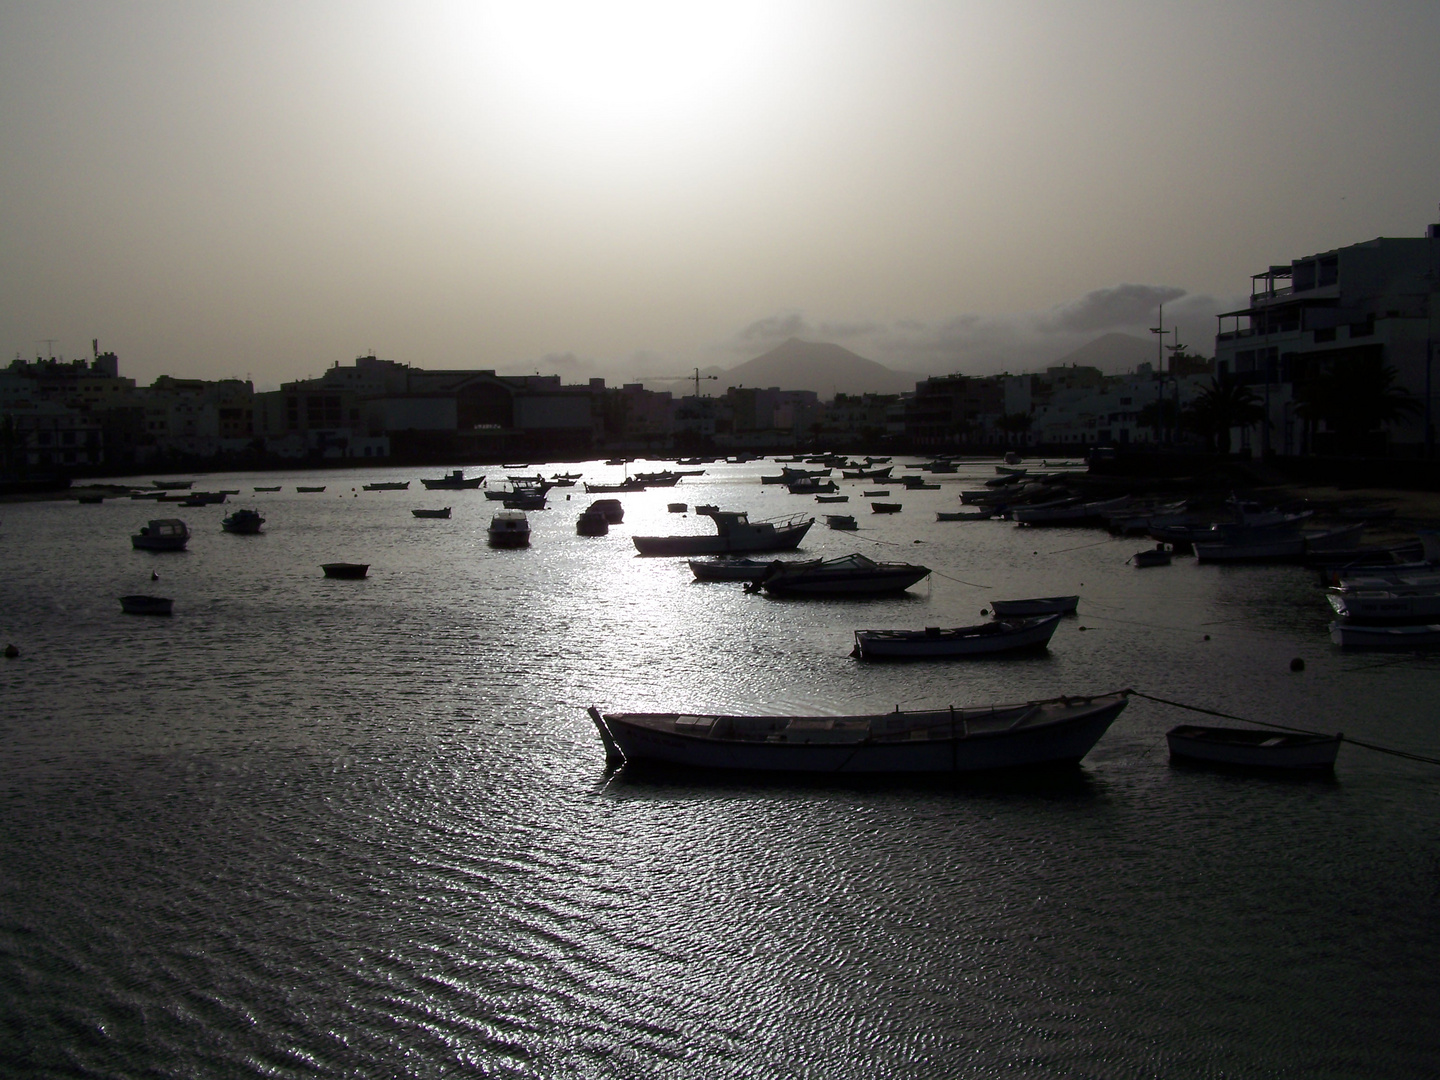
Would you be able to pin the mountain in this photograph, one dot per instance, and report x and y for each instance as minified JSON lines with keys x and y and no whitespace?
{"x":1114,"y":354}
{"x":814,"y":365}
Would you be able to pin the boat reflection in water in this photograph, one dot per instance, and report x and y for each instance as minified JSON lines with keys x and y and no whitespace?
{"x":953,"y":740}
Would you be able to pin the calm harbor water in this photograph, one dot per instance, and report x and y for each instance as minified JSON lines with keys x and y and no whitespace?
{"x":308,"y":827}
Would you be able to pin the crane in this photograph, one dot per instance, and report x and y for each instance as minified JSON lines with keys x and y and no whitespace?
{"x":694,"y":377}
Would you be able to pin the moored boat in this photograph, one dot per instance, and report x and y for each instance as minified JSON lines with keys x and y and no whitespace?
{"x":592,"y":522}
{"x":311,"y":490}
{"x":443,"y":512}
{"x":1349,"y":635}
{"x":933,"y":642}
{"x":958,"y":739}
{"x":454,"y":480}
{"x":1159,"y":555}
{"x":738,"y":569}
{"x":388,"y":485}
{"x":509,"y":529}
{"x":1253,"y":749}
{"x":162,"y":534}
{"x":136,"y":604}
{"x":849,"y":575}
{"x":842,"y":522}
{"x":1036,"y":605}
{"x":734,"y":531}
{"x":964,"y":515}
{"x":275,"y":488}
{"x":245,"y":522}
{"x":345,"y":569}
{"x":885,"y":507}
{"x":612,"y":511}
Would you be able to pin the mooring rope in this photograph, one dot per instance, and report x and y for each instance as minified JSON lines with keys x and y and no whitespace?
{"x":1286,"y":727}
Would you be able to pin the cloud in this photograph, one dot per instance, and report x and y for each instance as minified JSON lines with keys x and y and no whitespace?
{"x":1110,"y":309}
{"x":773,"y":330}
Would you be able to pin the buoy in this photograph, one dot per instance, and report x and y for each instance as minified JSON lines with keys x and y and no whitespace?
{"x":154,"y":575}
{"x":984,"y":611}
{"x":1082,"y":629}
{"x":1207,"y":637}
{"x":11,"y":652}
{"x":1297,"y":664}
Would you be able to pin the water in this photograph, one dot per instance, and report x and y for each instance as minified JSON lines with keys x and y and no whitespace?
{"x":363,"y":828}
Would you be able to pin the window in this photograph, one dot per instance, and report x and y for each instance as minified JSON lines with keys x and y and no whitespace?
{"x":1327,"y":334}
{"x":1364,"y":328}
{"x":1329,"y":270}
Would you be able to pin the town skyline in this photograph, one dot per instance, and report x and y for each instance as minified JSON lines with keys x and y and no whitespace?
{"x":631,"y":194}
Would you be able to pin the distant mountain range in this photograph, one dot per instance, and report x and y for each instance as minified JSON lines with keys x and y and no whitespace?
{"x":830,"y":369}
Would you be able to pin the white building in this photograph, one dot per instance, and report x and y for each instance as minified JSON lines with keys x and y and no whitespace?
{"x":1376,"y":300}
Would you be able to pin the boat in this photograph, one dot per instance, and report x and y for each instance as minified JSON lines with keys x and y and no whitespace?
{"x":1037,"y":605}
{"x":1378,"y":606}
{"x":612,"y":511}
{"x":832,"y":498}
{"x":203,"y":498}
{"x":734,"y":532}
{"x":454,"y":480}
{"x":509,"y":529}
{"x":311,"y":489}
{"x":813,"y":487}
{"x":146,"y":605}
{"x":275,"y":488}
{"x":965,"y":515}
{"x":1350,"y":635}
{"x":875,"y":494}
{"x":614,"y":489}
{"x":849,"y":575}
{"x":1012,"y":457}
{"x":345,"y":569}
{"x":676,"y":508}
{"x":700,"y":508}
{"x":867,"y":474}
{"x":162,"y":534}
{"x":1159,"y":555}
{"x":738,"y":569}
{"x":246,"y":522}
{"x":984,"y":639}
{"x":522,"y":499}
{"x":918,"y":483}
{"x":1073,"y":513}
{"x":387,"y":486}
{"x":1249,"y":748}
{"x":659,"y":479}
{"x":843,"y":522}
{"x":91,"y":500}
{"x":885,"y":507}
{"x":592,"y":522}
{"x":442,"y":513}
{"x":1030,"y":734}
{"x":172,"y":485}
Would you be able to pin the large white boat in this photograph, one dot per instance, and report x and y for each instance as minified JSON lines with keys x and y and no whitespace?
{"x":162,"y":534}
{"x":953,"y":740}
{"x":849,"y":575}
{"x":734,"y":532}
{"x":935,"y":643}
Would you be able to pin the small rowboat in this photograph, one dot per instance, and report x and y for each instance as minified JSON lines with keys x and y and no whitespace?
{"x":964,"y":515}
{"x":1247,"y":748}
{"x":1159,"y":555}
{"x":885,"y":508}
{"x":442,"y":513}
{"x":1039,"y":605}
{"x":311,"y":489}
{"x":933,"y":643}
{"x":1359,"y":636}
{"x":345,"y":569}
{"x":146,"y":605}
{"x":1031,"y":734}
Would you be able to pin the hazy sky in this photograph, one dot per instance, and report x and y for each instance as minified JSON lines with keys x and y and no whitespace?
{"x":263,"y":189}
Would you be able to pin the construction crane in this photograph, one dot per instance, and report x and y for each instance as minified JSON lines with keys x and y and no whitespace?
{"x":694,"y":377}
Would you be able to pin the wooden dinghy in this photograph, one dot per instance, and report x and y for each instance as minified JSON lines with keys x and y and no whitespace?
{"x":1251,"y":749}
{"x":1031,"y":734}
{"x":935,"y":643}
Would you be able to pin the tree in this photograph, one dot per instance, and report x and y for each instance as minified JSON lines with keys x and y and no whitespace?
{"x":1226,"y":403}
{"x":1354,"y":396}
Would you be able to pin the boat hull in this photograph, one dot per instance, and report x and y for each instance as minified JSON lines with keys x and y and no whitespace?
{"x":146,"y":605}
{"x":753,"y":539}
{"x":1244,"y":748}
{"x":345,"y":570}
{"x":954,"y":741}
{"x":1360,"y":636}
{"x":1039,"y":605}
{"x":987,"y":639}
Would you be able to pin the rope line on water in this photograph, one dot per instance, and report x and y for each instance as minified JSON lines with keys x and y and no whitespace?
{"x":1286,"y":727}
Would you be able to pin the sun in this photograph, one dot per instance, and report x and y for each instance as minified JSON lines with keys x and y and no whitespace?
{"x":622,"y":66}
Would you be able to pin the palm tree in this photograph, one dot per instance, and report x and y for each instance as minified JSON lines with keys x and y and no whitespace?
{"x":1354,"y":395}
{"x":1226,"y":403}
